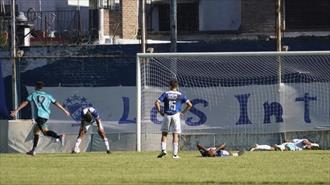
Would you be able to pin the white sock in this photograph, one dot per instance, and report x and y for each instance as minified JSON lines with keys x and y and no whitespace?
{"x":175,"y":148}
{"x":106,"y":142}
{"x":163,"y":146}
{"x":77,"y":143}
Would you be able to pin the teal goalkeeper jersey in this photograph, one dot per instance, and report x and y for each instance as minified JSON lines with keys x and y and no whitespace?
{"x":41,"y":101}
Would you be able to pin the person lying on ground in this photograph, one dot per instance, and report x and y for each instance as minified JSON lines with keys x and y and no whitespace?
{"x":217,"y":152}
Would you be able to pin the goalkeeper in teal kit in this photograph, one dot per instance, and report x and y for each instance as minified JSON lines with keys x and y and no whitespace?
{"x":41,"y":101}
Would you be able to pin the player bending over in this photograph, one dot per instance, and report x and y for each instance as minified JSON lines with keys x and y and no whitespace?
{"x":173,"y":100}
{"x":41,"y":101}
{"x":217,"y":152}
{"x":89,"y":115}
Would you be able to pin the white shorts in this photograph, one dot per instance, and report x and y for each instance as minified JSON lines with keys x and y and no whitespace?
{"x":224,"y":153}
{"x":86,"y":125}
{"x":171,"y":123}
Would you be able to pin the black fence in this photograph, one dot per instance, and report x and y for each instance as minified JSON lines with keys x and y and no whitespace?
{"x":56,"y":27}
{"x":50,"y":28}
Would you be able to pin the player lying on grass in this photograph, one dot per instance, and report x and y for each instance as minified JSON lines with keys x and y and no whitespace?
{"x":89,"y":116}
{"x":217,"y":152}
{"x":173,"y":100}
{"x":41,"y":101}
{"x":293,"y":145}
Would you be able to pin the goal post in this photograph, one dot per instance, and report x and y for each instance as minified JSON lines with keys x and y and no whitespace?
{"x":240,"y":98}
{"x":138,"y":105}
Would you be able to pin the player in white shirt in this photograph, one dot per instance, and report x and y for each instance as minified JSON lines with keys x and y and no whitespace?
{"x":173,"y":100}
{"x":305,"y":144}
{"x":293,"y":145}
{"x":89,"y":116}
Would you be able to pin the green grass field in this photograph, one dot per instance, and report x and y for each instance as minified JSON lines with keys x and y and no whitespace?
{"x":306,"y":167}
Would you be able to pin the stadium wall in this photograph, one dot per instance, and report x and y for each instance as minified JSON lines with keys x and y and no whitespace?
{"x":16,"y":136}
{"x":119,"y":71}
{"x":116,"y":106}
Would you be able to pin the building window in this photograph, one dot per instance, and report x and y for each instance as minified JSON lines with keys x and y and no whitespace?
{"x":113,"y":5}
{"x":187,"y":17}
{"x":307,"y":15}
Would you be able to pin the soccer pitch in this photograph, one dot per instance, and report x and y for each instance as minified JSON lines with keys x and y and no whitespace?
{"x":306,"y":167}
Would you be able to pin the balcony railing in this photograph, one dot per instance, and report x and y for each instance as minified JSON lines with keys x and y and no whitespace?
{"x":55,"y":27}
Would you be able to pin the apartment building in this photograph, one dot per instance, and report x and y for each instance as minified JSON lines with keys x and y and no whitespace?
{"x":217,"y":17}
{"x":111,"y":20}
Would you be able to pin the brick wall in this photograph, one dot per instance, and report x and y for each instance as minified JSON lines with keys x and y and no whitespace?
{"x":112,"y":23}
{"x":129,"y":18}
{"x":257,"y":16}
{"x":126,"y":18}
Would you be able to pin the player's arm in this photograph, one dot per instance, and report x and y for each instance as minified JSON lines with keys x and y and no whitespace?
{"x":62,"y":108}
{"x":157,"y":105}
{"x":201,"y":148}
{"x":21,"y":106}
{"x":188,"y":106}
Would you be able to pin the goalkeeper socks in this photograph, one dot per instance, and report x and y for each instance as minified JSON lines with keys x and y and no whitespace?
{"x":163,"y":146}
{"x":35,"y":142}
{"x":51,"y":133}
{"x":175,"y":148}
{"x":106,"y":142}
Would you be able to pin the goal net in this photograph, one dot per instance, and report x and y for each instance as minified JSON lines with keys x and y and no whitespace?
{"x":238,"y":98}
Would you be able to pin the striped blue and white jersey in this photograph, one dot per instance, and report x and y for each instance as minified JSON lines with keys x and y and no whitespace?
{"x":173,"y":101}
{"x":92,"y":110}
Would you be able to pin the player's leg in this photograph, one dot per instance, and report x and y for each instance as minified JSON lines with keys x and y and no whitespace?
{"x":221,"y":147}
{"x":41,"y":122}
{"x":280,"y":147}
{"x":225,"y":153}
{"x":36,"y":133}
{"x":163,"y":140}
{"x":175,"y":145}
{"x":176,"y":127}
{"x":81,"y":134}
{"x":257,"y":147}
{"x":100,"y":131}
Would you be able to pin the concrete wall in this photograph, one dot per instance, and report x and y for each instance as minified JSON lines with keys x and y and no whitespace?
{"x":257,"y":16}
{"x":17,"y":136}
{"x":3,"y":135}
{"x":219,"y":15}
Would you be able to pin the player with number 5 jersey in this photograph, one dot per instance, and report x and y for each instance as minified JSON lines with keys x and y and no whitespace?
{"x":173,"y":101}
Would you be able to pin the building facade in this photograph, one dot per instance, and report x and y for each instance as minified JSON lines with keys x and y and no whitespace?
{"x":118,"y":21}
{"x":220,"y":17}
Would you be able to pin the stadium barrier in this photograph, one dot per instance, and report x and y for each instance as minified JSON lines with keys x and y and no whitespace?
{"x":16,"y":136}
{"x":108,"y":83}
